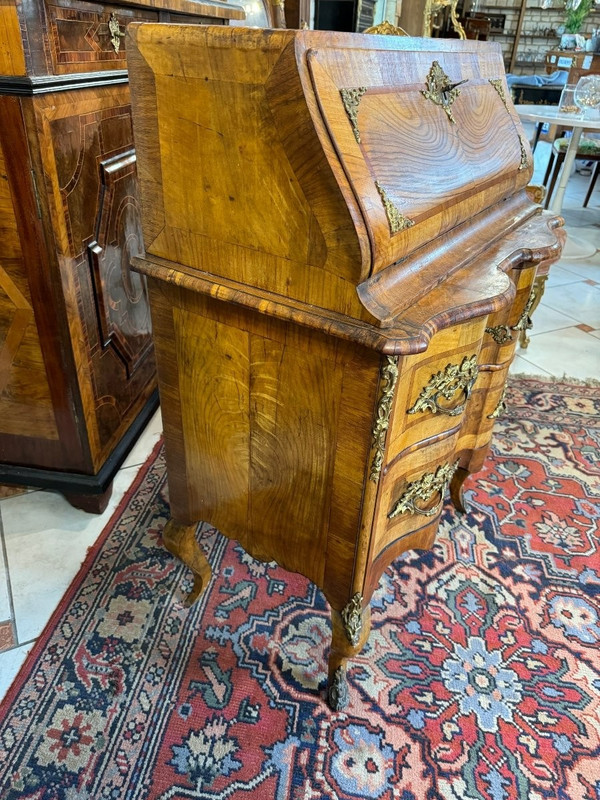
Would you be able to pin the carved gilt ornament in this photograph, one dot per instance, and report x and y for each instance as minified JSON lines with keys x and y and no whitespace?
{"x":430,"y":12}
{"x":440,"y":90}
{"x":389,"y":376}
{"x":500,"y":334}
{"x":500,"y":408}
{"x":351,"y":101}
{"x":498,"y":85}
{"x":397,"y":221}
{"x":524,"y":160}
{"x":444,"y":385}
{"x":525,"y":323}
{"x":114,"y":28}
{"x":352,"y":619}
{"x":423,"y":490}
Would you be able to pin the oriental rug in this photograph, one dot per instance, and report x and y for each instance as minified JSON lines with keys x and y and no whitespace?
{"x":481,"y":677}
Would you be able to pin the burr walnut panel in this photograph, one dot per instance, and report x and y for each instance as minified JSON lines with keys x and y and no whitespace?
{"x":257,"y":436}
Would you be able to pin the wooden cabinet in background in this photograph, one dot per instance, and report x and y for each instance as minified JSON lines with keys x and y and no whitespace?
{"x":338,"y":293}
{"x":77,"y":373}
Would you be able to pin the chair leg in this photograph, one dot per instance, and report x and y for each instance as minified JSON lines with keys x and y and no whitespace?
{"x":592,"y":183}
{"x":555,"y":173}
{"x":548,"y":169}
{"x":536,"y":138}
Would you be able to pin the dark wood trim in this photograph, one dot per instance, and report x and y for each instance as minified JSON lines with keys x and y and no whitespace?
{"x":30,"y":86}
{"x":73,"y":483}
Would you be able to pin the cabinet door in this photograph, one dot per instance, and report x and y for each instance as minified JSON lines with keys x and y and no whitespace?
{"x":86,"y":146}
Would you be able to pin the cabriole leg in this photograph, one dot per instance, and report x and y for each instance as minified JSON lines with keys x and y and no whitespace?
{"x":456,"y":489}
{"x":347,"y":640}
{"x":180,"y":540}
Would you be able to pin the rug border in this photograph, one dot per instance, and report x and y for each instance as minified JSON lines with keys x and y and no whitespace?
{"x":590,"y":383}
{"x":93,"y":550}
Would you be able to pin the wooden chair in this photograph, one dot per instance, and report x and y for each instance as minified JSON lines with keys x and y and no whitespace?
{"x":589,"y":150}
{"x":477,"y":28}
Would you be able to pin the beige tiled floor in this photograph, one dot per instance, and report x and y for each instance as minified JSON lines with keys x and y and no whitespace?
{"x":43,"y":540}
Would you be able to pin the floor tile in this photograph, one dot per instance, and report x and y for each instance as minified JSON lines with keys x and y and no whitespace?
{"x":568,"y":351}
{"x":46,"y":542}
{"x":10,"y":664}
{"x":145,"y":444}
{"x":521,"y":365}
{"x":560,"y":275}
{"x":579,"y":301}
{"x":580,"y":269}
{"x":548,"y":319}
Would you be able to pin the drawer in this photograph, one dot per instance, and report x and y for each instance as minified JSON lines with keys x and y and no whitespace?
{"x":412,"y":490}
{"x":90,"y":37}
{"x":434,"y":387}
{"x":485,"y":407}
{"x":502,"y":329}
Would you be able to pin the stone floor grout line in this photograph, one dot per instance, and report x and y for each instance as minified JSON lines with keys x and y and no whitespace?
{"x":11,"y":605}
{"x":17,"y":646}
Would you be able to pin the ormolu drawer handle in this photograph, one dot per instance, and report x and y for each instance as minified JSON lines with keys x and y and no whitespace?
{"x":500,"y":334}
{"x":424,"y":489}
{"x":445,"y":384}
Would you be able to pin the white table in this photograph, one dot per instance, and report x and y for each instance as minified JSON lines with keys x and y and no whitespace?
{"x":550,"y":114}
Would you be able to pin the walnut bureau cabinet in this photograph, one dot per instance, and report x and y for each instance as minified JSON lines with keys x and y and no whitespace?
{"x":77,"y":371}
{"x":340,"y":253}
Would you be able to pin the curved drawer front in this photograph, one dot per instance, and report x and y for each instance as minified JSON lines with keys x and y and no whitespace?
{"x":487,"y":404}
{"x":412,"y":490}
{"x":434,"y":387}
{"x":502,"y":329}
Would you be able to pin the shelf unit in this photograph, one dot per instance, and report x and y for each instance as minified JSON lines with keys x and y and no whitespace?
{"x":517,"y":39}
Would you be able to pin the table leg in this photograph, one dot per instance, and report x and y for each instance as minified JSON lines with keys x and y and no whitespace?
{"x":565,"y":173}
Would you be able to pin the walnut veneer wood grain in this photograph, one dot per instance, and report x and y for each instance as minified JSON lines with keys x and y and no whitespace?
{"x":339,"y":267}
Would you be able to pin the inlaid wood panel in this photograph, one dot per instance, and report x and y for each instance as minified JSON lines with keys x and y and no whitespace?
{"x":62,"y":37}
{"x":121,"y":295}
{"x":80,"y":38}
{"x":86,"y":142}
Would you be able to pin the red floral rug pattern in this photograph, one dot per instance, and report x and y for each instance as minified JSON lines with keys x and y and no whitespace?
{"x":481,"y":677}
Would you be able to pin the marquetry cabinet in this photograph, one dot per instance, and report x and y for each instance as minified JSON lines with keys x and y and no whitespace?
{"x":337,"y":293}
{"x":77,"y":372}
